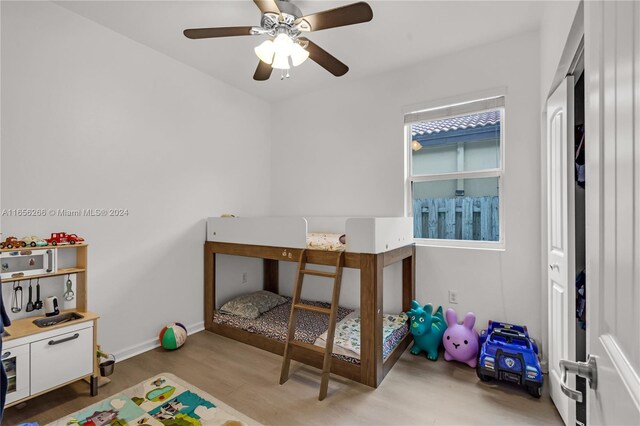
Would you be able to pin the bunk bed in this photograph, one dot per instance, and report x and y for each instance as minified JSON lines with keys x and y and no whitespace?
{"x":371,"y":245}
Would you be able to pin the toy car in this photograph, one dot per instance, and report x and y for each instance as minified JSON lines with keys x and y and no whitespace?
{"x":73,"y":239}
{"x":57,"y":238}
{"x":64,"y":238}
{"x":12,"y":242}
{"x":34,"y":241}
{"x":508,"y":354}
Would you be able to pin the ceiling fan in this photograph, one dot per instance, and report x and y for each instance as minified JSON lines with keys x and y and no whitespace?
{"x":284,"y":23}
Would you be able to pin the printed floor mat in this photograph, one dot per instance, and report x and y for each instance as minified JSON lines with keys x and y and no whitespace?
{"x":161,"y":400}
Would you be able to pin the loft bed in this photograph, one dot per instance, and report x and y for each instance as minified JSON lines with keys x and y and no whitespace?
{"x":371,"y":245}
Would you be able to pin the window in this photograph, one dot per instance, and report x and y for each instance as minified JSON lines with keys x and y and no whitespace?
{"x":455,"y":173}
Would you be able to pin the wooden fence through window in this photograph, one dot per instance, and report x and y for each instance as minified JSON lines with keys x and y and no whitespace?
{"x":459,"y":218}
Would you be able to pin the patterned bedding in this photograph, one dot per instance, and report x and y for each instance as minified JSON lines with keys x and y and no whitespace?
{"x":309,"y":326}
{"x":326,"y":241}
{"x":347,"y":338}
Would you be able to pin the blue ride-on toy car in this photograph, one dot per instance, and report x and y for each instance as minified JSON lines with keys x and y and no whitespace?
{"x":507,"y":353}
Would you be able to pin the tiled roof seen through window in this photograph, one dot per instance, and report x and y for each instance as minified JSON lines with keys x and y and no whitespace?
{"x":457,"y":123}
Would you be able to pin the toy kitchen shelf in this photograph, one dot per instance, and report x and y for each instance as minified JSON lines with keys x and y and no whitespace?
{"x":79,"y":269}
{"x":59,"y":272}
{"x":30,"y":351}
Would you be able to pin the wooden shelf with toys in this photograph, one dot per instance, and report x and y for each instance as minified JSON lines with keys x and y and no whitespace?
{"x":48,"y":336}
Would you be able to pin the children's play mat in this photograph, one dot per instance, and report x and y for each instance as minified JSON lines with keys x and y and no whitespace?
{"x":161,"y":400}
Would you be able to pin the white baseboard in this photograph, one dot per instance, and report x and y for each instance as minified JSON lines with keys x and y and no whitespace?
{"x":194,"y":328}
{"x":152,"y":343}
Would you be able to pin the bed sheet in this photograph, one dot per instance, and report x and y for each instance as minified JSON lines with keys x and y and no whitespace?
{"x":347,"y":337}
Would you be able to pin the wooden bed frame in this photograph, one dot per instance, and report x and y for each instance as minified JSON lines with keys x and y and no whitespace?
{"x":372,"y":368}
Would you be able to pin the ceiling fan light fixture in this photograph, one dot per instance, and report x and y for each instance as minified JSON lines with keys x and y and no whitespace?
{"x":280,"y":61}
{"x":283,"y":44}
{"x":298,"y":55}
{"x":265,"y":51}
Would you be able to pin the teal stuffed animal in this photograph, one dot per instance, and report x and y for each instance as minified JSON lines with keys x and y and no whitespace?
{"x":427,"y":329}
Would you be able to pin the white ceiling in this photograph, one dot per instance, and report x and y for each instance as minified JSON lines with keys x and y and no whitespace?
{"x":401,"y":33}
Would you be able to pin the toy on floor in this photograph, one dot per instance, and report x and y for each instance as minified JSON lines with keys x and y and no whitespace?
{"x":509,"y":354}
{"x":461,"y":341}
{"x":427,"y":329}
{"x":108,"y":365}
{"x":173,"y":336}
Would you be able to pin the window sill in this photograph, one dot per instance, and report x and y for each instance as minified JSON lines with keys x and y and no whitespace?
{"x":461,"y":244}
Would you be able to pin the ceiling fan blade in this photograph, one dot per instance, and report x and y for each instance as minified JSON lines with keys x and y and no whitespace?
{"x":263,"y":72}
{"x":325,"y":59}
{"x":196,"y":33}
{"x":355,"y":13}
{"x":267,"y":6}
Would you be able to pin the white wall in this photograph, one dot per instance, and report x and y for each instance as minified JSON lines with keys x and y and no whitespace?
{"x":91,"y":119}
{"x":343,"y":154}
{"x":557,"y":18}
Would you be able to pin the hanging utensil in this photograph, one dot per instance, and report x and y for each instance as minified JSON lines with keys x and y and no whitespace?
{"x":30,"y":302}
{"x":69,"y":294}
{"x":16,"y":299}
{"x":38,"y":303}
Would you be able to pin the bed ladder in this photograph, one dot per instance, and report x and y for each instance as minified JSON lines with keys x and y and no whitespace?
{"x":332,"y":312}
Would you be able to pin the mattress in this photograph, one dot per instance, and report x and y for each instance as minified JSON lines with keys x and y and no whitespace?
{"x":326,"y":241}
{"x":309,"y":326}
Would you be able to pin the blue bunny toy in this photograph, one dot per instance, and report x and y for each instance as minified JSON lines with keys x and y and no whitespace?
{"x":427,"y":329}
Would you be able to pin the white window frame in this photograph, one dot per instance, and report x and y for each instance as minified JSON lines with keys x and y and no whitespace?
{"x":451,"y":109}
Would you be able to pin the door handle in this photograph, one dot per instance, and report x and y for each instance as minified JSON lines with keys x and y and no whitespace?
{"x":66,"y":339}
{"x":6,"y":355}
{"x":588,"y":370}
{"x":554,"y":266}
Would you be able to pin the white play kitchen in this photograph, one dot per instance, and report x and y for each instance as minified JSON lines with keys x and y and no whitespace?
{"x":52,"y":340}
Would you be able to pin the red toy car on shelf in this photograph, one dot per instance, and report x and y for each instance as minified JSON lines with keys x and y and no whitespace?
{"x":64,"y":238}
{"x":73,"y":239}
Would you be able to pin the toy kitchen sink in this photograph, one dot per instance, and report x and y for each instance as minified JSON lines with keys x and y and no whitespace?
{"x":57,"y":319}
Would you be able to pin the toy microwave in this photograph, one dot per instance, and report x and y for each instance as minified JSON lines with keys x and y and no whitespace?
{"x":25,"y":262}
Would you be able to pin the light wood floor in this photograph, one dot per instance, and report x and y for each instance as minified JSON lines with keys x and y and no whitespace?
{"x":416,"y":391}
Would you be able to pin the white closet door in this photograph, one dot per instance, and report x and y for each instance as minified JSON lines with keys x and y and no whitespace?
{"x":561,"y":242}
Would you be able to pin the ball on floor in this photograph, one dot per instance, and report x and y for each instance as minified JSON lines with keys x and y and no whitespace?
{"x":173,"y":336}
